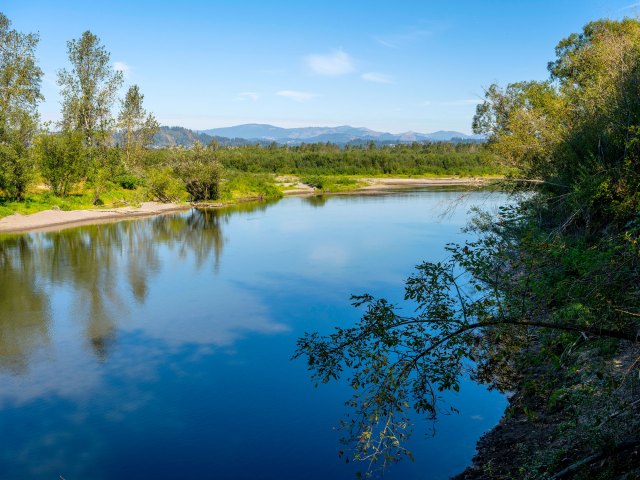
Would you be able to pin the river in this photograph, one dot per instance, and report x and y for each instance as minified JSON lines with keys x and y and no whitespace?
{"x":160,"y":348}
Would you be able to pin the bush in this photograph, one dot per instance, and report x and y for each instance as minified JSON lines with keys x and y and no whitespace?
{"x":129,"y":182}
{"x":162,"y":186}
{"x":63,"y":160}
{"x":200,"y":171}
{"x":243,"y":185}
{"x":16,"y":171}
{"x":315,"y":181}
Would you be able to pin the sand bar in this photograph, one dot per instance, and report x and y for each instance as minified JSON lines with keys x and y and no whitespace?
{"x":49,"y":220}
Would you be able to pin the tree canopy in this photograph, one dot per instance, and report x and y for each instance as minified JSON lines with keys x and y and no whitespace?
{"x":89,"y":90}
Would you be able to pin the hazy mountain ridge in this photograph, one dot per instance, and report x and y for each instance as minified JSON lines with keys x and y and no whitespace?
{"x":183,"y":137}
{"x":254,"y":133}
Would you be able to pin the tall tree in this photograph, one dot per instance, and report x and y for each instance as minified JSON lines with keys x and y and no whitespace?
{"x":137,"y":128}
{"x":89,"y":90}
{"x":20,"y":79}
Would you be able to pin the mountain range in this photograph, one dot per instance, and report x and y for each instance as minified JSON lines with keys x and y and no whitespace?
{"x":341,"y":134}
{"x":252,"y":133}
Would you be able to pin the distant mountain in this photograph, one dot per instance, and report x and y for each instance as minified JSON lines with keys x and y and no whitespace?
{"x":183,"y":137}
{"x":255,"y":133}
{"x":342,"y":134}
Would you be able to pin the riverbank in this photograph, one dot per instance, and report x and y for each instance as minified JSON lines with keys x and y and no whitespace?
{"x":56,"y":219}
{"x":537,"y":437}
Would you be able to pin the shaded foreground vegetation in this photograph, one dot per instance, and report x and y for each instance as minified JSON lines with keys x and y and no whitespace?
{"x":545,"y":301}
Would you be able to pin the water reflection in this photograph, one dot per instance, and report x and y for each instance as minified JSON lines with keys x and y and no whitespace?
{"x":159,"y":348}
{"x":24,"y":306}
{"x":97,"y":267}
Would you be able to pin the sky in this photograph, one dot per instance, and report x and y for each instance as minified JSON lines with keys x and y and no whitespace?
{"x":391,"y":66}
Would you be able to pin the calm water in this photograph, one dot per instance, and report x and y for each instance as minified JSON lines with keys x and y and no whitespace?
{"x":160,"y":348}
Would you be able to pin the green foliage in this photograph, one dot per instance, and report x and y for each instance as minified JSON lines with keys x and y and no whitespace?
{"x":16,"y":170}
{"x":162,"y":186}
{"x":200,"y":172}
{"x":437,"y":159}
{"x":62,"y":159}
{"x":129,"y":182}
{"x":137,"y":128}
{"x":20,"y":79}
{"x":88,"y":90}
{"x":239,"y":185}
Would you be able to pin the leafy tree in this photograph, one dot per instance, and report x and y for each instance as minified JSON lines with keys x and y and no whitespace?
{"x":20,"y":79}
{"x":89,"y":90}
{"x":162,"y":186}
{"x":16,"y":170}
{"x":137,"y":128}
{"x":200,"y":171}
{"x":63,"y":160}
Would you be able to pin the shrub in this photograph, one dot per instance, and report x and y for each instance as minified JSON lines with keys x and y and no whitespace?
{"x":16,"y":171}
{"x":200,"y":171}
{"x":63,"y":160}
{"x":162,"y":186}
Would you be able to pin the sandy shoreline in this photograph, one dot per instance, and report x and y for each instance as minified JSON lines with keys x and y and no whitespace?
{"x":51,"y":220}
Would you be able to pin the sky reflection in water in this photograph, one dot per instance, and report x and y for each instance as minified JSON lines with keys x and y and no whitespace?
{"x":160,"y":348}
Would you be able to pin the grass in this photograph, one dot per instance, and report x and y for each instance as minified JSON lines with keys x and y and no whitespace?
{"x":37,"y":200}
{"x":241,"y":185}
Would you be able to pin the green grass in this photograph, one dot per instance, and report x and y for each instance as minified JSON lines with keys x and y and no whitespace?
{"x":239,"y":185}
{"x":80,"y":199}
{"x":332,"y":183}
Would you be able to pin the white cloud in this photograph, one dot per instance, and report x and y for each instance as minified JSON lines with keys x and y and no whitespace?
{"x":377,"y":77}
{"x":331,"y":64}
{"x":122,"y":67}
{"x":248,"y":96}
{"x":296,"y":95}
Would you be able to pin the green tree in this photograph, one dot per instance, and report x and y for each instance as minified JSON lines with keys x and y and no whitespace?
{"x":63,"y":160}
{"x":89,"y":90}
{"x":20,"y":79}
{"x":200,"y":171}
{"x":137,"y":128}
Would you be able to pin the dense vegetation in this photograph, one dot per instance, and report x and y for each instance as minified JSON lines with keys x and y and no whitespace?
{"x":413,"y":159}
{"x":545,"y":300}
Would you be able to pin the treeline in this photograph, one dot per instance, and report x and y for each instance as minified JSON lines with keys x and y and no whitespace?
{"x":329,"y":159}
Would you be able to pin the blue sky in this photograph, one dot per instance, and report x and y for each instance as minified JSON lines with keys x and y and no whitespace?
{"x":387,"y":65}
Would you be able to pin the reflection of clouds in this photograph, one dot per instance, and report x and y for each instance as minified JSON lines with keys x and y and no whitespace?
{"x":220,"y":320}
{"x":329,"y":255}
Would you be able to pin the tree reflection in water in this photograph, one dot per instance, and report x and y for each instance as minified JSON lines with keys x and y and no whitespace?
{"x":95,"y":261}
